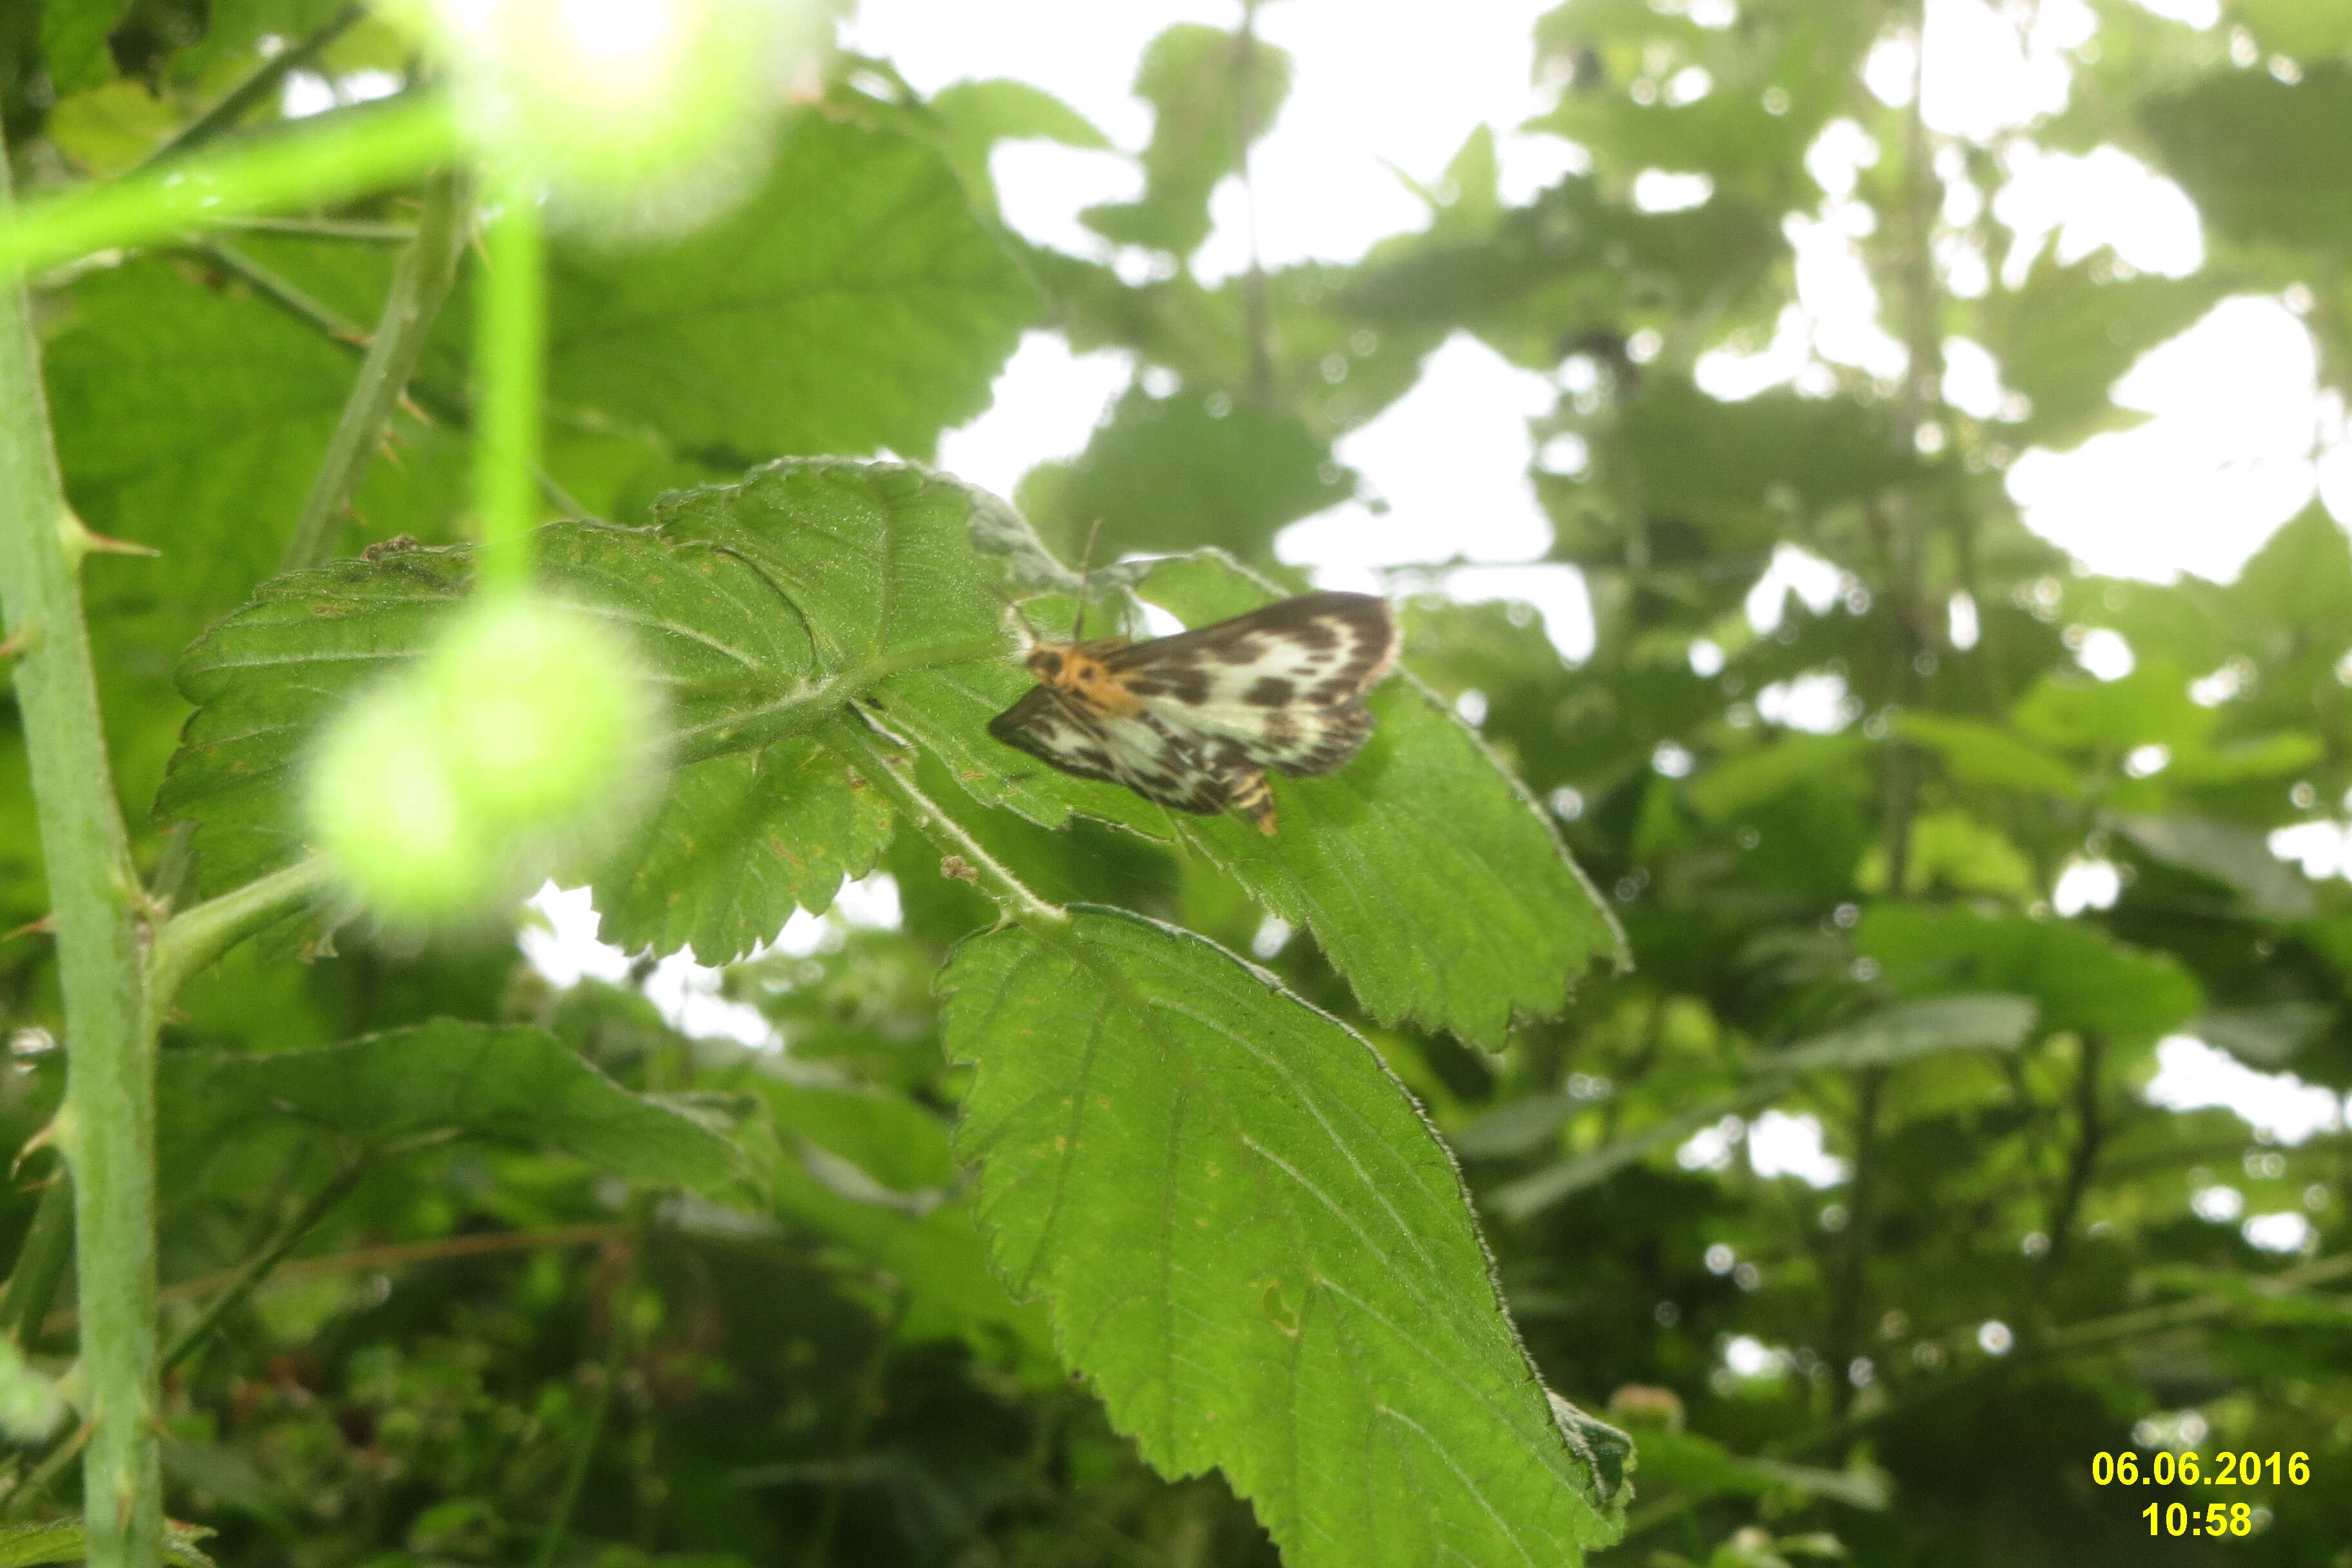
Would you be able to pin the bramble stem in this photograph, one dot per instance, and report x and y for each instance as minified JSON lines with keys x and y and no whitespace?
{"x":107,"y":1127}
{"x":420,"y":282}
{"x":198,"y":935}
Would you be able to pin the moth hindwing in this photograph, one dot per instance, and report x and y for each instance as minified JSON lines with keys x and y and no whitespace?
{"x":1194,"y":721}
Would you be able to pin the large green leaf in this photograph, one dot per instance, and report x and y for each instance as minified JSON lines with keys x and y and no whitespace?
{"x":1428,"y":876}
{"x":853,"y":302}
{"x":518,"y":1084}
{"x":1254,"y":1244}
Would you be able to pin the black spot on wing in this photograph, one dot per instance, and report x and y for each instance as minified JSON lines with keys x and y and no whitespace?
{"x":1171,"y":678}
{"x":1268,"y":692}
{"x":1321,"y":743}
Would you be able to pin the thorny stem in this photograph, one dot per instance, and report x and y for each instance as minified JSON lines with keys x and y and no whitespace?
{"x":198,"y":935}
{"x":346,"y":335}
{"x":420,"y":282}
{"x":107,"y":1126}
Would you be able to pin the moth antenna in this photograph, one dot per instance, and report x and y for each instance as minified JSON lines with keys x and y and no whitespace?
{"x":1086,"y":565}
{"x":1015,"y":612}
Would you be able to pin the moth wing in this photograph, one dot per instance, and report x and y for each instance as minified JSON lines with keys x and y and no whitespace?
{"x":1285,"y":682}
{"x":1139,"y":752}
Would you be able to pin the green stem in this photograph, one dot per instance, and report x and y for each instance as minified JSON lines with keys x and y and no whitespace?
{"x":331,"y":162}
{"x":40,"y":1262}
{"x":107,"y":1127}
{"x":879,"y":768}
{"x":342,"y":231}
{"x":576,"y":1473}
{"x":282,"y":292}
{"x":420,"y":282}
{"x":510,"y":350}
{"x":251,"y":93}
{"x":195,"y":936}
{"x":255,"y":1269}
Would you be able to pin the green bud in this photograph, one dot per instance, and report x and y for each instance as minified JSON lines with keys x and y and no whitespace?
{"x":542,"y":714}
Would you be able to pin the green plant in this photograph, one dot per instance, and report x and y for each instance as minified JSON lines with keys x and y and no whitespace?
{"x":466,"y":1269}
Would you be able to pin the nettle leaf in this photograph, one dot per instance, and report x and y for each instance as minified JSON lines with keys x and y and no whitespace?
{"x":1251,"y":1240}
{"x":759,"y":819}
{"x":520,"y":1084}
{"x":1429,"y":877}
{"x":852,"y":302}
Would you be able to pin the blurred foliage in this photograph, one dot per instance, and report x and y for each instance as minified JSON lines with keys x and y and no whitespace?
{"x":741,"y":1292}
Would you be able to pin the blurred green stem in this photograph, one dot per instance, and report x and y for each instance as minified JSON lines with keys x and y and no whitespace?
{"x":107,"y":1127}
{"x":420,"y":282}
{"x":40,"y":1264}
{"x":255,"y":1269}
{"x":329,"y":162}
{"x":509,"y":355}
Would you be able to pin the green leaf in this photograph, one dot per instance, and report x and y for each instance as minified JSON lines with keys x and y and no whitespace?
{"x":2082,"y":979}
{"x":65,"y":1540}
{"x":1174,"y":473}
{"x":2069,"y":332}
{"x":1212,"y":94}
{"x":1888,"y":1038}
{"x":518,"y":1084}
{"x":1907,"y":1029}
{"x":739,"y":843}
{"x":190,"y":417}
{"x":2238,"y":858}
{"x":2264,"y":162}
{"x":2150,"y":706}
{"x":976,"y":115}
{"x":1428,"y":876}
{"x":853,"y":302}
{"x":1753,"y":777}
{"x":73,"y":43}
{"x":1980,"y":753}
{"x":1256,"y":1247}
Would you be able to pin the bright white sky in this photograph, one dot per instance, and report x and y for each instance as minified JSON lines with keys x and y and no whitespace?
{"x":2239,"y":435}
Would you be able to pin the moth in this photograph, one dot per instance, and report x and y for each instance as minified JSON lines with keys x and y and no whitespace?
{"x":1194,"y":721}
